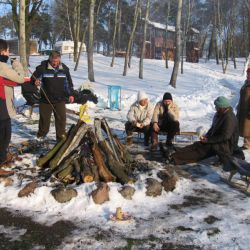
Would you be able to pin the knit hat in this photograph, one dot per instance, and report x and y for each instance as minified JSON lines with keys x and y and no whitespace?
{"x":141,"y":95}
{"x":221,"y":102}
{"x":167,"y":96}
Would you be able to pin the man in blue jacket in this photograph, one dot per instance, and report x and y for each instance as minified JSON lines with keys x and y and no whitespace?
{"x":53,"y":77}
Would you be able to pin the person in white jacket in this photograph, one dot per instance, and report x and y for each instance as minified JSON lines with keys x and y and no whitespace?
{"x":139,"y":118}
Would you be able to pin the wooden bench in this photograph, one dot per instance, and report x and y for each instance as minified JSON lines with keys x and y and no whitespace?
{"x":191,"y":135}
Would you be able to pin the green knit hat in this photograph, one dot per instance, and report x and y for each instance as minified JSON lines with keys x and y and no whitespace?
{"x":221,"y":102}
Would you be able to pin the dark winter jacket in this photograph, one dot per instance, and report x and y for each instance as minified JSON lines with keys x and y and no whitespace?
{"x":56,"y":83}
{"x":243,"y":111}
{"x":224,"y":132}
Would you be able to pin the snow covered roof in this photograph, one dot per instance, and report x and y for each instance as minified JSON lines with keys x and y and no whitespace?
{"x":195,"y":30}
{"x":161,"y":26}
{"x":66,"y":43}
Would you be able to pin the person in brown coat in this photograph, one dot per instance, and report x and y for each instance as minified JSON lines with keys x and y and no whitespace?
{"x":221,"y":139}
{"x":243,"y":112}
{"x":165,"y":118}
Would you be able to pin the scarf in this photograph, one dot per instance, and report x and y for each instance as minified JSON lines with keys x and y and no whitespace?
{"x":4,"y":59}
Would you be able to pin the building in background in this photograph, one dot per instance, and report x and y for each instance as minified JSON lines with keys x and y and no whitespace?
{"x":67,"y":47}
{"x":14,"y":46}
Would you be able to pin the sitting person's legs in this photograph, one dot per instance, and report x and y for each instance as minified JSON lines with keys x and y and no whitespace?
{"x":171,"y":128}
{"x":192,"y":153}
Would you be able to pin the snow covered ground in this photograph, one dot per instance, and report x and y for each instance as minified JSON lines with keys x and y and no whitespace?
{"x":201,"y":213}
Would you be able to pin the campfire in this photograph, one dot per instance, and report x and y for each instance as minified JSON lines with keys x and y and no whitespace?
{"x":89,"y":153}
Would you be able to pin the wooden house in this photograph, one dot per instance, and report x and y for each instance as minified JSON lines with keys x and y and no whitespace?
{"x":192,"y":46}
{"x":14,"y":46}
{"x":157,"y":47}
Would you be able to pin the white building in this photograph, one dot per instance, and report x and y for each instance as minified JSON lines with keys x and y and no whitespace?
{"x":66,"y":47}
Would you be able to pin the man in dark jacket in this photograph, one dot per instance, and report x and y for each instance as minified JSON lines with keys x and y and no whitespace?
{"x":56,"y":87}
{"x":221,"y":139}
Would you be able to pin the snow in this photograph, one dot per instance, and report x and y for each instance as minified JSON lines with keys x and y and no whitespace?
{"x":161,"y":26}
{"x":171,"y":217}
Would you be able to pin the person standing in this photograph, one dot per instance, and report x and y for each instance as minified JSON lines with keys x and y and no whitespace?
{"x":9,"y":77}
{"x":165,"y":118}
{"x":54,"y":79}
{"x":243,"y":112}
{"x":139,"y":117}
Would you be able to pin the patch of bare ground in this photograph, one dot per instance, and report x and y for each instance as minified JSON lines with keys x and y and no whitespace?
{"x":36,"y":235}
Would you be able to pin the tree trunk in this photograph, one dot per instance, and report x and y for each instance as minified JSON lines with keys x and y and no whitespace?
{"x":80,"y":49}
{"x":144,"y":41}
{"x":22,"y":36}
{"x":119,"y":29}
{"x":166,"y":33}
{"x":178,"y":45}
{"x":91,"y":41}
{"x":114,"y":34}
{"x":76,"y":27}
{"x":69,"y":24}
{"x":184,"y":40}
{"x":131,"y":37}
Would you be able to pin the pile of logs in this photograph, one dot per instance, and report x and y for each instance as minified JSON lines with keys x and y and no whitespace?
{"x":89,"y":153}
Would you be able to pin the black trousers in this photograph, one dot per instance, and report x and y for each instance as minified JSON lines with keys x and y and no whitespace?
{"x":45,"y":111}
{"x":130,"y":128}
{"x":169,"y":126}
{"x":5,"y":136}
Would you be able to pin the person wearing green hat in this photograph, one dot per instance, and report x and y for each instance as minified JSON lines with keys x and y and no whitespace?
{"x":221,"y":139}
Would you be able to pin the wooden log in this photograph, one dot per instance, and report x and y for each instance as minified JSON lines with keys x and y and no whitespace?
{"x":65,"y":164}
{"x":104,"y":173}
{"x":81,"y":132}
{"x":65,"y":172}
{"x":116,"y":168}
{"x":126,"y":156}
{"x":107,"y":129}
{"x":77,"y":167}
{"x":41,"y":162}
{"x":54,"y":162}
{"x":87,"y":174}
{"x":87,"y":160}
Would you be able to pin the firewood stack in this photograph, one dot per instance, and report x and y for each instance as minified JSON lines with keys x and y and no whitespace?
{"x":89,"y":153}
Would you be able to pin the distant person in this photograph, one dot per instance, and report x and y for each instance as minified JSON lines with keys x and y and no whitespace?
{"x":165,"y":118}
{"x":243,"y":112}
{"x":139,"y":118}
{"x":221,"y":139}
{"x":9,"y":77}
{"x":56,"y":89}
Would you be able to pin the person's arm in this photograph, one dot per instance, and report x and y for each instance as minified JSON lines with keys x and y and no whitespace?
{"x":174,"y":112}
{"x":149,"y":115}
{"x":6,"y":82}
{"x":226,"y":132}
{"x":131,"y":115}
{"x":15,"y":74}
{"x":155,"y":118}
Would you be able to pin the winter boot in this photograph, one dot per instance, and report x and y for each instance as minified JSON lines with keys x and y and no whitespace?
{"x":129,"y":138}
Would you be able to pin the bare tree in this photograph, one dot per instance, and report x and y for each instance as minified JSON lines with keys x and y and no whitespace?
{"x":114,"y":34}
{"x":131,"y":38}
{"x":91,"y":41}
{"x":68,"y":19}
{"x":22,"y":37}
{"x":76,"y":29}
{"x":186,"y":27}
{"x":178,"y":46}
{"x":144,"y":40}
{"x":166,"y":33}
